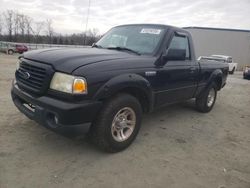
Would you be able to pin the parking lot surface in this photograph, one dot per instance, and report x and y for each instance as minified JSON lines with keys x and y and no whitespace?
{"x":176,"y":146}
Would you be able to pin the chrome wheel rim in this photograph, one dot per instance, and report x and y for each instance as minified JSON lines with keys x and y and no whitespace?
{"x":123,"y":124}
{"x":211,"y":97}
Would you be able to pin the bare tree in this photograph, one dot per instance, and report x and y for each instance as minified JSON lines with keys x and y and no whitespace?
{"x":18,"y":27}
{"x":91,"y":36}
{"x":22,"y":24}
{"x":16,"y":24}
{"x":38,"y":29}
{"x":1,"y":26}
{"x":9,"y":21}
{"x":50,"y":30}
{"x":28,"y":23}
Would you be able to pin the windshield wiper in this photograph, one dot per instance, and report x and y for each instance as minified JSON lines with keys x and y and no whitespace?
{"x":96,"y":46}
{"x":123,"y":49}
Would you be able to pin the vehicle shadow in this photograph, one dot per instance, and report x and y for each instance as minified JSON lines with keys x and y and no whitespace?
{"x":80,"y":132}
{"x":78,"y":137}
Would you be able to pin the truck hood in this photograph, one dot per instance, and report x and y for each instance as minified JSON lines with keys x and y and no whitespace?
{"x":68,"y":59}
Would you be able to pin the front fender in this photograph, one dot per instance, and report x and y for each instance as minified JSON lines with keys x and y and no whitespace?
{"x":122,"y":82}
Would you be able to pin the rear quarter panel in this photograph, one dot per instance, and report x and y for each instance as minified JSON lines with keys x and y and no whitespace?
{"x":209,"y":70}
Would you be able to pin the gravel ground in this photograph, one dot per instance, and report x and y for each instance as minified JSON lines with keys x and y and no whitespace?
{"x":176,"y":147}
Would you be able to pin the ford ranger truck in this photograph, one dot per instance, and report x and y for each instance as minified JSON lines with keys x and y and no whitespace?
{"x":131,"y":70}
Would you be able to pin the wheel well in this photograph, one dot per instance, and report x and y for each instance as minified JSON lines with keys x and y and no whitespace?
{"x":218,"y":82}
{"x":139,"y":94}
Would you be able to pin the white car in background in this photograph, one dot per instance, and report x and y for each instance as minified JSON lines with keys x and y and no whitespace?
{"x":229,"y":60}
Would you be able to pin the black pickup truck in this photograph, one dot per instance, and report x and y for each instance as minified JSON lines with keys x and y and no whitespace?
{"x":132,"y":69}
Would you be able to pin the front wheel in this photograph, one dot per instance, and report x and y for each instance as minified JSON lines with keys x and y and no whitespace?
{"x":118,"y":123}
{"x":206,"y":100}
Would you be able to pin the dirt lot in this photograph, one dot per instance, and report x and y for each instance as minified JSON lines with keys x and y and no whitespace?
{"x":176,"y":147}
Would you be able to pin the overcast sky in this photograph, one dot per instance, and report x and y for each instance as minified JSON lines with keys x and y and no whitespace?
{"x":70,"y":15}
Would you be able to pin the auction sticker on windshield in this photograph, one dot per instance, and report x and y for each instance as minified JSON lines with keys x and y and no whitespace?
{"x":151,"y":31}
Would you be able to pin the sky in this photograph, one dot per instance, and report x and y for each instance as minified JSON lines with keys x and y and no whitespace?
{"x":69,"y":16}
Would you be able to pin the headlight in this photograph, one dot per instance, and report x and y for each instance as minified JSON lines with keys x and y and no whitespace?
{"x":68,"y":83}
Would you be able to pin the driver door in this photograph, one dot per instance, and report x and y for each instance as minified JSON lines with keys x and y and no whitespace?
{"x":176,"y":80}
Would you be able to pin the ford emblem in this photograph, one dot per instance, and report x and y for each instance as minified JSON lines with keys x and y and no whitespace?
{"x":24,"y":75}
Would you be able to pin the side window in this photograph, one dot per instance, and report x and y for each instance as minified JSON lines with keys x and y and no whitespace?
{"x":180,"y":43}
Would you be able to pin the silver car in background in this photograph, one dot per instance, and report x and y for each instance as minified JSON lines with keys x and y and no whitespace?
{"x":7,"y":48}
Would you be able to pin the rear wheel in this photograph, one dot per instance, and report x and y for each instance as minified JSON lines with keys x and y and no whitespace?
{"x":10,"y":52}
{"x":232,"y":72}
{"x":118,"y":123}
{"x":206,"y":100}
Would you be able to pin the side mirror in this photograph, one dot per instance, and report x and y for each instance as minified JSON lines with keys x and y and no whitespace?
{"x":93,"y":45}
{"x":175,"y":55}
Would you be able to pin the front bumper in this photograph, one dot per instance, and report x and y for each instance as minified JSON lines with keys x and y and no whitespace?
{"x":54,"y":113}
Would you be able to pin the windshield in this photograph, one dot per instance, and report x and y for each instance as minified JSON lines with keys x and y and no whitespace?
{"x":141,"y":39}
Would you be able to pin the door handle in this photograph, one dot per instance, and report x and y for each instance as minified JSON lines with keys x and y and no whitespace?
{"x":192,"y":69}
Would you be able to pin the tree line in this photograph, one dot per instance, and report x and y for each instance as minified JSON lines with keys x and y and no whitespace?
{"x":18,"y":27}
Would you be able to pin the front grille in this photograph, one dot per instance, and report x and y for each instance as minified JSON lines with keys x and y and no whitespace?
{"x":34,"y":77}
{"x":37,"y":75}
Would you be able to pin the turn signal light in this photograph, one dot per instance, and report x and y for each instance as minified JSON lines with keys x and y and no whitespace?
{"x":79,"y":86}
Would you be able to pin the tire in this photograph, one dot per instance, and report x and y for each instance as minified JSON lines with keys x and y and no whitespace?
{"x":232,"y":72}
{"x":206,"y":101}
{"x":106,"y":131}
{"x":10,"y":52}
{"x":245,"y":77}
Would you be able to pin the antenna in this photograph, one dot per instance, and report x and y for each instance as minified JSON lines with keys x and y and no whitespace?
{"x":87,"y":21}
